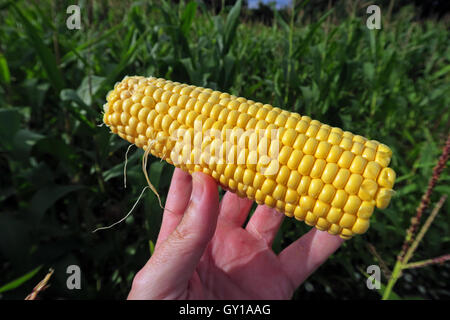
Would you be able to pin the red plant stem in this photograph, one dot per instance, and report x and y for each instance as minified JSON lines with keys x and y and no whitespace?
{"x":424,"y":263}
{"x":437,"y":170}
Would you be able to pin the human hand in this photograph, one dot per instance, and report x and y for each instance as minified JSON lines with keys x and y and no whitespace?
{"x":203,"y":252}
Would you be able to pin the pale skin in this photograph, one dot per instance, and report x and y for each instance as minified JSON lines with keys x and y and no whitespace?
{"x":204,"y":252}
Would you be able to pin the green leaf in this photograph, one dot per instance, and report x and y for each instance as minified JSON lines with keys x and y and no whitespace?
{"x":9,"y":125}
{"x":19,"y":281}
{"x":5,"y":75}
{"x":45,"y":54}
{"x":89,"y":88}
{"x":47,"y":196}
{"x":24,"y":140}
{"x":187,"y":17}
{"x":231,"y":25}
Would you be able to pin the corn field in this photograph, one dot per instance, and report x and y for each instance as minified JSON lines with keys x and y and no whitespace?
{"x":63,"y":173}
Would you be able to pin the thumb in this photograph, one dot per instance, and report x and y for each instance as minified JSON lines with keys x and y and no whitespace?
{"x":173,"y":263}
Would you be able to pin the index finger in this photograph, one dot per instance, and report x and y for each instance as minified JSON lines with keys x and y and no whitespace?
{"x":176,"y":203}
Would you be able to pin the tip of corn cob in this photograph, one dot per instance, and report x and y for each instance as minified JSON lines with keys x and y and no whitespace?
{"x":329,"y":178}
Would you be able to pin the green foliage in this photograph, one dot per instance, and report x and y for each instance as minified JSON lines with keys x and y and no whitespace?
{"x":62,"y":174}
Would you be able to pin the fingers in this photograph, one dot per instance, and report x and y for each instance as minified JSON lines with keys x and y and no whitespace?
{"x":264,"y":223}
{"x":176,"y":203}
{"x":306,"y":254}
{"x":233,"y":209}
{"x":167,"y":273}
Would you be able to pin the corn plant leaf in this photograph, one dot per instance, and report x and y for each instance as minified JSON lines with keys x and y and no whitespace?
{"x":5,"y":75}
{"x":47,"y":196}
{"x":19,"y":281}
{"x":45,"y":54}
{"x":187,"y":17}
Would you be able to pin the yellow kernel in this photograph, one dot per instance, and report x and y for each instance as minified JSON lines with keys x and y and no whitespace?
{"x":341,"y":178}
{"x":372,"y":170}
{"x":353,"y":184}
{"x":115,"y":119}
{"x":368,"y":190}
{"x":383,"y":197}
{"x":334,"y":229}
{"x":334,"y":154}
{"x":322,"y":224}
{"x":366,"y":209}
{"x":124,"y":118}
{"x":346,"y":159}
{"x":322,"y":150}
{"x":358,"y":165}
{"x":304,"y":185}
{"x":161,"y":107}
{"x":281,"y":120}
{"x":318,"y":167}
{"x":270,"y":201}
{"x":372,"y":144}
{"x":291,"y":196}
{"x":283,"y":175}
{"x":306,"y":165}
{"x":321,"y":208}
{"x":291,"y":123}
{"x":300,"y":141}
{"x":346,"y":233}
{"x":369,"y":154}
{"x":384,"y":149}
{"x":339,"y":131}
{"x":386,"y":178}
{"x":174,"y":100}
{"x":357,"y":148}
{"x":360,"y":226}
{"x":346,"y":144}
{"x":307,"y":202}
{"x":327,"y":193}
{"x":279,"y":192}
{"x":268,"y":186}
{"x":383,"y":158}
{"x":285,"y":155}
{"x":289,"y":209}
{"x":315,"y":188}
{"x":300,"y":213}
{"x":352,"y":205}
{"x":117,"y":106}
{"x":334,"y":215}
{"x":347,"y":220}
{"x":330,"y":172}
{"x":294,"y":159}
{"x":334,"y":138}
{"x":310,"y":218}
{"x":302,"y":126}
{"x":271,"y":116}
{"x":289,"y":137}
{"x":294,"y":180}
{"x":340,"y":199}
{"x":323,"y":133}
{"x":310,"y":146}
{"x":126,"y":105}
{"x":312,"y":130}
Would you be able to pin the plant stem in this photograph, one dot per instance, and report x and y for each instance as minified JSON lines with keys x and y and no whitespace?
{"x":392,"y":280}
{"x":426,"y":262}
{"x":423,"y":230}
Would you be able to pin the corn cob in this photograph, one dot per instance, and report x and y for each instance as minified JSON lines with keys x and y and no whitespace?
{"x":322,"y":175}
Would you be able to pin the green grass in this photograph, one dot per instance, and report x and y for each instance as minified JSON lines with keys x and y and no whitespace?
{"x":62,"y":174}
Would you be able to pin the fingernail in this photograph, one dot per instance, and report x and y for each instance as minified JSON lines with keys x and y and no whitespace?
{"x":197,"y":188}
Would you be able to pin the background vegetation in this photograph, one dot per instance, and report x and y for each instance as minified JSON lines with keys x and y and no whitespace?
{"x":62,"y":174}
